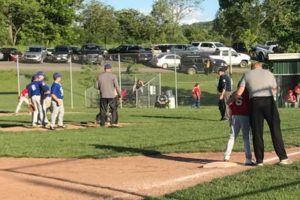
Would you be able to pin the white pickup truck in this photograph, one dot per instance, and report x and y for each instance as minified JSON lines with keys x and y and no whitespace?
{"x":237,"y":59}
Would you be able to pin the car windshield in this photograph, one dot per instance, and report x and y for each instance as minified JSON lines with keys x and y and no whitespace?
{"x":91,"y":48}
{"x":219,"y":45}
{"x":61,"y":49}
{"x":161,"y":55}
{"x":195,"y":44}
{"x":35,"y":49}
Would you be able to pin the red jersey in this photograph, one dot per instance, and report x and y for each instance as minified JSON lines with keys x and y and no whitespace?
{"x":297,"y":89}
{"x":291,"y":98}
{"x":24,"y":92}
{"x":196,"y":92}
{"x":241,"y":105}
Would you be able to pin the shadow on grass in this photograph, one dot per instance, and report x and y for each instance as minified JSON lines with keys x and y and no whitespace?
{"x":267,"y":189}
{"x":151,"y":153}
{"x":174,"y":117}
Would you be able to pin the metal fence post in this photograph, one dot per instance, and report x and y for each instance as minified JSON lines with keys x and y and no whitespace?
{"x":71,"y":84}
{"x":18,"y":75}
{"x":176,"y":86}
{"x":120,"y":77}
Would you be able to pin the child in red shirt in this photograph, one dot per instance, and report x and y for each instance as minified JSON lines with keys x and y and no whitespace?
{"x":239,"y":120}
{"x":22,"y":98}
{"x":196,"y":95}
{"x":297,"y":93}
{"x":290,"y":99}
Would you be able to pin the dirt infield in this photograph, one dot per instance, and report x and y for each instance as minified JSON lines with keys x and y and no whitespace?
{"x":73,"y":126}
{"x":115,"y":178}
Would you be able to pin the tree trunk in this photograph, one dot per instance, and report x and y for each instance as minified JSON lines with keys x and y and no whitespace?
{"x":10,"y":30}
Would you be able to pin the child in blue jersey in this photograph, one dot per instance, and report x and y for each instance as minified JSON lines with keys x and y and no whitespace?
{"x":57,"y":96}
{"x":34,"y":93}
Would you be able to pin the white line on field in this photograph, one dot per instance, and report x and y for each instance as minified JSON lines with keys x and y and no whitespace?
{"x":197,"y":175}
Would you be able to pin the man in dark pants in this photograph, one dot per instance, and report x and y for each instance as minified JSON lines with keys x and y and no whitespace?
{"x":261,"y":85}
{"x":109,"y":88}
{"x":224,"y":89}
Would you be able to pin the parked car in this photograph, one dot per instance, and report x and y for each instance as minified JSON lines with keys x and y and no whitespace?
{"x":207,"y":46}
{"x":237,"y":59}
{"x":50,"y":51}
{"x":165,"y":48}
{"x":239,"y":47}
{"x":35,"y":54}
{"x":192,"y":64}
{"x":9,"y":54}
{"x":92,"y":54}
{"x":131,"y":52}
{"x":76,"y":53}
{"x":61,"y":53}
{"x":261,"y":52}
{"x":188,"y":50}
{"x":166,"y":60}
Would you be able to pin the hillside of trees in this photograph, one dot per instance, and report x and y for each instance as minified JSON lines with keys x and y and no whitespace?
{"x":51,"y":22}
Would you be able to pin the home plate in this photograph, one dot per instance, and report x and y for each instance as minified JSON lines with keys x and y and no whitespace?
{"x":220,"y":165}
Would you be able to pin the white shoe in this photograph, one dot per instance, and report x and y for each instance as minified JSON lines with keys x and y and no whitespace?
{"x":249,"y":162}
{"x":226,"y":158}
{"x":260,"y":164}
{"x":286,"y":162}
{"x":35,"y":126}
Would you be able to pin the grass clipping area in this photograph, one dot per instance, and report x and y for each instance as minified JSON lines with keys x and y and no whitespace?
{"x":269,"y":182}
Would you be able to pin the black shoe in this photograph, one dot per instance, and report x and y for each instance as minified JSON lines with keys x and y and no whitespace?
{"x":52,"y":128}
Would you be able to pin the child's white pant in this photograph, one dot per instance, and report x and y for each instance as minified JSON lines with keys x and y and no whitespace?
{"x":38,"y":109}
{"x":57,"y":112}
{"x":21,"y":101}
{"x":239,"y":122}
{"x":46,"y":105}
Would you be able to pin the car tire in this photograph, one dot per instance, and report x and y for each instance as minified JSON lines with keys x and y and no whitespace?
{"x":191,"y":71}
{"x":244,"y":64}
{"x":165,"y":66}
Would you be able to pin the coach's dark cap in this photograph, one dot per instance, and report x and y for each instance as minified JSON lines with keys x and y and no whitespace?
{"x":222,"y":69}
{"x":34,"y":77}
{"x":56,"y":75}
{"x":107,"y":66}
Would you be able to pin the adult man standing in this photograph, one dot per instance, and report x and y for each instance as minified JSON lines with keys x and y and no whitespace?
{"x":110,"y":91}
{"x":224,"y":89}
{"x":261,"y":85}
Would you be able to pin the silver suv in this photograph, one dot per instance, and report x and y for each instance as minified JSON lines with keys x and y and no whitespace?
{"x":35,"y":54}
{"x":208,"y":47}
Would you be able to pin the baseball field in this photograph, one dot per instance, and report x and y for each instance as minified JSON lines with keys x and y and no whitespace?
{"x":156,"y":153}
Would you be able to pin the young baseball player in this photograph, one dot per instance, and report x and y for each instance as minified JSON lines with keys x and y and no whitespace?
{"x":23,"y":98}
{"x":196,"y":95}
{"x":34,"y":92}
{"x":46,"y":103}
{"x":239,"y":120}
{"x":57,"y":95}
{"x":290,"y":99}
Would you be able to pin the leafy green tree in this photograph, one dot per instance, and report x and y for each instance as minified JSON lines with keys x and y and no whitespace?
{"x":99,"y":22}
{"x":18,"y":15}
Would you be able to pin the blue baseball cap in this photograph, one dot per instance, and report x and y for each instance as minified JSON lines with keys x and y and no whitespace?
{"x":107,"y":66}
{"x":56,"y":75}
{"x":40,"y":74}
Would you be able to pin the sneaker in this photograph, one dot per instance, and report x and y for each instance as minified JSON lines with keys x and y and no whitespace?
{"x":35,"y":126}
{"x":249,"y":162}
{"x":47,"y":125}
{"x":286,"y":162}
{"x":52,"y":128}
{"x":226,"y":158}
{"x":259,"y":164}
{"x":114,"y":126}
{"x":61,"y":126}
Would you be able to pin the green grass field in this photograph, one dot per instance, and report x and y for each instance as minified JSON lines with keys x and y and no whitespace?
{"x":154,"y":131}
{"x":269,"y":182}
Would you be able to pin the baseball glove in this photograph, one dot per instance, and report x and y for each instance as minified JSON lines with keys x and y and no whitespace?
{"x":31,"y":108}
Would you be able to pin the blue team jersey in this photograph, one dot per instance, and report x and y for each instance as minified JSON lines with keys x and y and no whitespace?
{"x":57,"y":90}
{"x":46,"y":89}
{"x":35,"y":88}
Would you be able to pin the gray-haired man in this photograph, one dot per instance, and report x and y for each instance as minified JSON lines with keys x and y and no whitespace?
{"x":261,"y":85}
{"x":109,"y":88}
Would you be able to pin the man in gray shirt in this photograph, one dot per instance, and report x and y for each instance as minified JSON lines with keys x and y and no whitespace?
{"x":261,"y":85}
{"x":109,"y":88}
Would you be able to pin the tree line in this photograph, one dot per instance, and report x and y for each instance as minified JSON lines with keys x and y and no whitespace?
{"x":51,"y":22}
